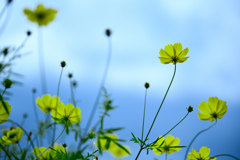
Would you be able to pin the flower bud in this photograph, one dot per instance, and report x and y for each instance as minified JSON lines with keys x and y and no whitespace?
{"x":11,"y":128}
{"x":190,"y":108}
{"x":63,"y":64}
{"x":7,"y":83}
{"x":25,"y":115}
{"x":146,"y":85}
{"x":29,"y":33}
{"x":34,"y":90}
{"x":70,"y":75}
{"x":4,"y":132}
{"x":29,"y":136}
{"x":64,"y":145}
{"x":91,"y":134}
{"x":108,"y":32}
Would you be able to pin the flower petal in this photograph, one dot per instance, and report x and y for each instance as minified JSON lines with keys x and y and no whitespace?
{"x":183,"y":53}
{"x":204,"y":107}
{"x":203,"y":116}
{"x":178,"y":48}
{"x":213,"y":101}
{"x":165,"y":60}
{"x":169,"y":49}
{"x":204,"y":152}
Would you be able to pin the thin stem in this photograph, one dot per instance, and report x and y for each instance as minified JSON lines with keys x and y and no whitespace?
{"x":72,"y":93}
{"x":100,"y":89}
{"x":229,"y":155}
{"x":144,"y":113}
{"x":6,"y":152}
{"x":196,"y":137}
{"x":4,"y":91}
{"x":41,"y":62}
{"x":3,"y":10}
{"x":157,"y":111}
{"x":36,"y":115}
{"x":19,"y":146}
{"x":59,"y":82}
{"x":51,"y":144}
{"x":7,"y":18}
{"x":171,"y":129}
{"x":166,"y":156}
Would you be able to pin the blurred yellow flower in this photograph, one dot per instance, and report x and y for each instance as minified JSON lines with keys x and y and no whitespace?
{"x":37,"y":151}
{"x":173,"y":54}
{"x":214,"y":109}
{"x":200,"y":155}
{"x":41,"y":15}
{"x":118,"y":152}
{"x":66,"y":114}
{"x":47,"y":103}
{"x":103,"y":141}
{"x":3,"y":114}
{"x":49,"y":153}
{"x":170,"y":141}
{"x":13,"y":136}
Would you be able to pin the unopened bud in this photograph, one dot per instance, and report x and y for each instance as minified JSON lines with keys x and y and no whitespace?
{"x":108,"y":32}
{"x":11,"y":128}
{"x":64,"y":145}
{"x":146,"y":85}
{"x":190,"y":108}
{"x":91,"y":135}
{"x":29,"y":33}
{"x":7,"y":83}
{"x":63,"y":64}
{"x":70,"y":75}
{"x":4,"y":132}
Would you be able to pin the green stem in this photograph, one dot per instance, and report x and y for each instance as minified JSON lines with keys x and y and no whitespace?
{"x":53,"y":137}
{"x":51,"y":144}
{"x":170,"y":129}
{"x":157,"y":111}
{"x":36,"y":115}
{"x":4,"y":91}
{"x":72,"y":93}
{"x":229,"y":155}
{"x":144,"y":113}
{"x":100,"y":89}
{"x":19,"y":147}
{"x":196,"y":137}
{"x":6,"y":152}
{"x":41,"y":62}
{"x":166,"y":156}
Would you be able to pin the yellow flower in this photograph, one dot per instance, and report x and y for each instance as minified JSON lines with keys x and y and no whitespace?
{"x":47,"y":104}
{"x":173,"y":54}
{"x":169,"y":142}
{"x":13,"y":136}
{"x":118,"y":152}
{"x":40,"y":15}
{"x":37,"y":151}
{"x":66,"y":114}
{"x":214,"y":109}
{"x":3,"y":114}
{"x":103,"y":141}
{"x":202,"y":155}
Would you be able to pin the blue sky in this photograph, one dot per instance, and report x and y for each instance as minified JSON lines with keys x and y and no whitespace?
{"x":210,"y":29}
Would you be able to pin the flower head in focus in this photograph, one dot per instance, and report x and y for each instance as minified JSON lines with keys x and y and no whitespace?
{"x":37,"y":151}
{"x":173,"y":54}
{"x":214,"y":109}
{"x":200,"y":155}
{"x":170,"y":141}
{"x":66,"y":114}
{"x":47,"y":103}
{"x":118,"y":152}
{"x":14,"y":135}
{"x":3,"y":114}
{"x":41,"y":15}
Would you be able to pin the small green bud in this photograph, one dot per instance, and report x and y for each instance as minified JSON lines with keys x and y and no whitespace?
{"x":7,"y":83}
{"x":29,"y":33}
{"x":146,"y":85}
{"x":70,"y":75}
{"x":4,"y":132}
{"x":74,"y":84}
{"x":108,"y":32}
{"x":34,"y":90}
{"x":25,"y":115}
{"x":91,"y":134}
{"x":64,"y":145}
{"x":63,"y":64}
{"x":190,"y":108}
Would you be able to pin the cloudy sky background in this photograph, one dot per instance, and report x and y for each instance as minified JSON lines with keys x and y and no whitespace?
{"x":210,"y":29}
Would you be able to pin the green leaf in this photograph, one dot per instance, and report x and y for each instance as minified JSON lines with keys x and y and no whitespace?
{"x":4,"y":105}
{"x":23,"y":157}
{"x":122,"y":147}
{"x":99,"y":146}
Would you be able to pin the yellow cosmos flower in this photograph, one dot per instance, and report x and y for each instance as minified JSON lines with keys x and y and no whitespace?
{"x":169,"y":142}
{"x":47,"y":103}
{"x":37,"y":151}
{"x":66,"y":114}
{"x":173,"y":54}
{"x":103,"y":141}
{"x":3,"y":114}
{"x":200,"y":155}
{"x":118,"y":152}
{"x":41,"y":15}
{"x":214,"y":109}
{"x":13,"y":136}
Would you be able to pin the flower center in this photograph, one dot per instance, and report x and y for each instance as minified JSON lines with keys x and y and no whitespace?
{"x":175,"y":59}
{"x":40,"y":16}
{"x":214,"y":115}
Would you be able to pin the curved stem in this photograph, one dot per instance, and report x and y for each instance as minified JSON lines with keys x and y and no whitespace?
{"x":196,"y":137}
{"x":158,"y":111}
{"x":171,"y":129}
{"x":144,"y":113}
{"x":100,"y":89}
{"x":229,"y":155}
{"x":53,"y":137}
{"x":6,"y":152}
{"x":51,"y":144}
